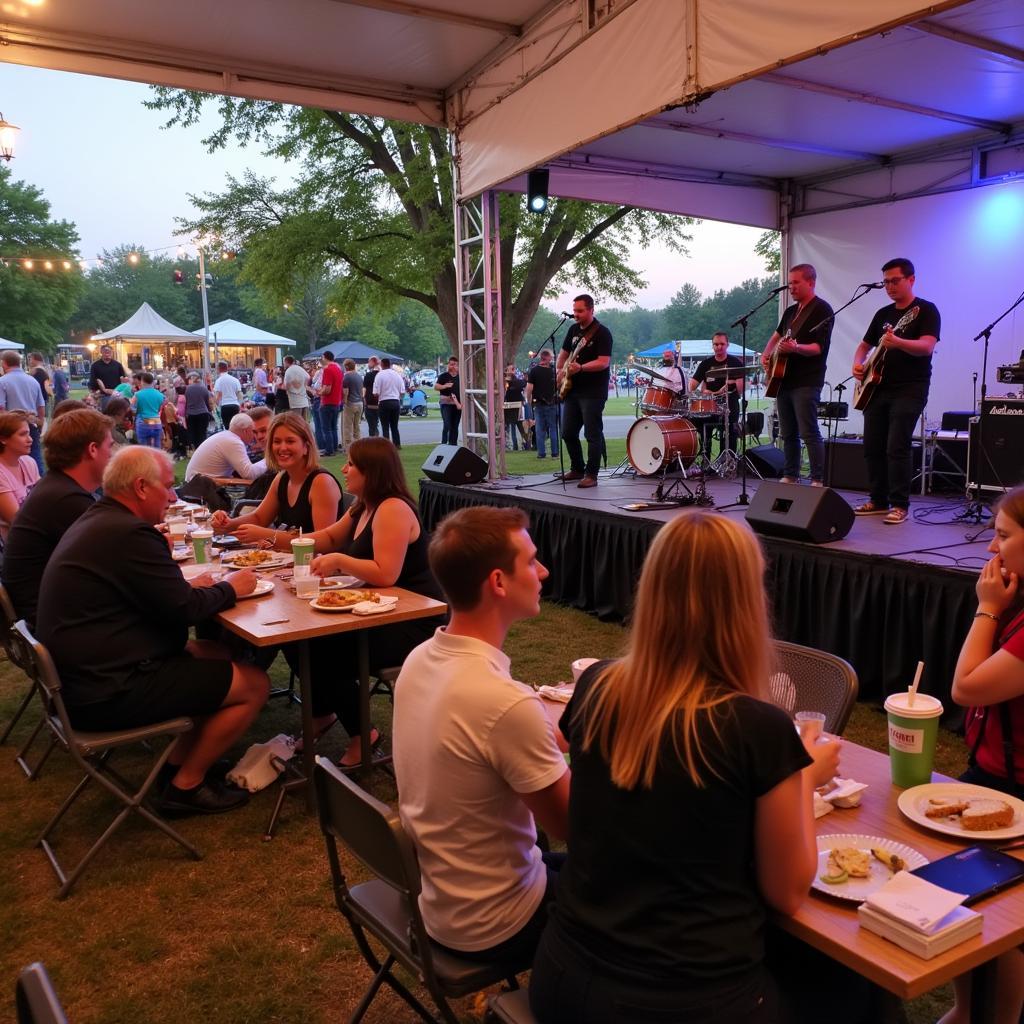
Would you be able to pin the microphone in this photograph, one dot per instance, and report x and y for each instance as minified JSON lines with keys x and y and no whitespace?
{"x":567,"y":315}
{"x":873,"y":284}
{"x":781,"y":288}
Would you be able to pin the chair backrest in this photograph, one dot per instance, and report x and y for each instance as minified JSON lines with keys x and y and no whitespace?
{"x":371,"y":830}
{"x":8,"y":617}
{"x":42,"y":671}
{"x":36,"y":999}
{"x":806,"y":679}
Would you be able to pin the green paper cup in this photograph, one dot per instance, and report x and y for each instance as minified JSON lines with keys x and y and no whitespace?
{"x":201,"y":541}
{"x":302,"y":549}
{"x":913,"y":729}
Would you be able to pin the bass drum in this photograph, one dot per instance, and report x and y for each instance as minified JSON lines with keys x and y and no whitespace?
{"x":655,"y":442}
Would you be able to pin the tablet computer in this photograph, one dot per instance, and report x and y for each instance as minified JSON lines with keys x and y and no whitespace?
{"x":977,"y":871}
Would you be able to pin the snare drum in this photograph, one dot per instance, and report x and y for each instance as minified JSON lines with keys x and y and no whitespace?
{"x":659,"y":401}
{"x":654,"y":443}
{"x":707,"y":405}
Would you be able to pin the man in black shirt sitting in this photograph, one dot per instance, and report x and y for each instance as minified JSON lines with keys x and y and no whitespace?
{"x":114,"y":611}
{"x":78,"y":447}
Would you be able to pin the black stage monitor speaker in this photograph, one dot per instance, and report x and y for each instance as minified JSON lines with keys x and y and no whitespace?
{"x":995,"y":452}
{"x":815,"y":514}
{"x":766,"y":460}
{"x":454,"y":464}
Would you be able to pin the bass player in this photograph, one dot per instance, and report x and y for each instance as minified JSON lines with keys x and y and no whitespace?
{"x":583,"y":385}
{"x":794,"y":360}
{"x":899,"y":390}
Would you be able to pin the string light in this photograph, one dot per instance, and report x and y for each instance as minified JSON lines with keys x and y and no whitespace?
{"x":36,"y":262}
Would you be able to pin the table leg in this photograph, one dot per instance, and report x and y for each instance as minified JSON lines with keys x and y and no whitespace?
{"x":983,"y":993}
{"x":308,"y":736}
{"x":365,"y":727}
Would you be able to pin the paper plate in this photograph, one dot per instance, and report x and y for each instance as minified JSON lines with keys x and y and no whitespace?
{"x":856,"y":890}
{"x":916,"y":801}
{"x":263,"y":586}
{"x":277,"y":560}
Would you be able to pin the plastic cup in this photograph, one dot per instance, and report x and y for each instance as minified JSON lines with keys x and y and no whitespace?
{"x":913,"y":729}
{"x":202,"y":541}
{"x":307,"y":587}
{"x":579,"y":666}
{"x":810,"y":724}
{"x":302,"y":549}
{"x":177,"y":528}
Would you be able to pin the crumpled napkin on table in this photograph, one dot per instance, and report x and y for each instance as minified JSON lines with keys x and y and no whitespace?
{"x":845,"y":792}
{"x":261,"y":764}
{"x":561,"y":692}
{"x":385,"y":604}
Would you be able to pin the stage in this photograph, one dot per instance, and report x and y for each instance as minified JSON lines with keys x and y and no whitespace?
{"x":883,"y":597}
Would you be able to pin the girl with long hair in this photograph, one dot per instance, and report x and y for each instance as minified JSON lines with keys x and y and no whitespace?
{"x":18,"y":470}
{"x":691,"y":804}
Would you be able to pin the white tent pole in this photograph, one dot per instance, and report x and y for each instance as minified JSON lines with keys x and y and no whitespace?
{"x":206,"y":312}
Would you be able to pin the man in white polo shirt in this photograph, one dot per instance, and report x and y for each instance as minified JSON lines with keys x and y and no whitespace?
{"x":225,"y":453}
{"x":228,"y":394}
{"x":388,"y":388}
{"x":476,"y":758}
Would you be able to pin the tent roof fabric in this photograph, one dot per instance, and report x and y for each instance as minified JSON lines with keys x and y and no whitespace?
{"x":691,"y":349}
{"x":146,"y":324}
{"x":4,"y":343}
{"x":233,"y":332}
{"x":352,"y":350}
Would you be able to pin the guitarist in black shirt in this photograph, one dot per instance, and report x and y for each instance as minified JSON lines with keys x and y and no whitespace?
{"x":583,"y":382}
{"x":894,"y":405}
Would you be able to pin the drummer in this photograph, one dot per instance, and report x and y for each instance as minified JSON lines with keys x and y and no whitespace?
{"x":713,"y":378}
{"x":671,"y":375}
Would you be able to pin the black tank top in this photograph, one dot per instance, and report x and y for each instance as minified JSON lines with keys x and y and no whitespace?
{"x":415,"y":575}
{"x":300,"y":515}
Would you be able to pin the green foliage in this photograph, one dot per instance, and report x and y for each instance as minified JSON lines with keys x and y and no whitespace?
{"x":34,"y":304}
{"x":690,"y":315}
{"x":769,"y":247}
{"x":373,"y":207}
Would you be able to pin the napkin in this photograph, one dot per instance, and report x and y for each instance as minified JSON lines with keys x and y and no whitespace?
{"x":821,"y":805}
{"x":845,"y":792}
{"x":385,"y":604}
{"x":261,"y":764}
{"x":915,"y":901}
{"x":561,"y":692}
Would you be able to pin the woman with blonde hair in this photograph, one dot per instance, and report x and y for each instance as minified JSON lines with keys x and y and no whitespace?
{"x":691,"y":803}
{"x":18,"y":470}
{"x":303,"y":495}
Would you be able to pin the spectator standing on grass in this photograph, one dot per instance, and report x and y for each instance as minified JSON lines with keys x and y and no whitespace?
{"x":370,"y":406}
{"x":148,"y":403}
{"x":260,"y":384}
{"x":388,"y":387}
{"x":295,"y":382}
{"x":540,"y":394}
{"x":450,"y":402}
{"x":37,"y":369}
{"x":61,"y":386}
{"x":352,"y":413}
{"x":104,"y":376}
{"x":198,"y":407}
{"x":228,"y":394}
{"x":332,"y":396}
{"x":19,"y":390}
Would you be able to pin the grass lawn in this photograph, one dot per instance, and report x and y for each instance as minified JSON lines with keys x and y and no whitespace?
{"x":249,"y":933}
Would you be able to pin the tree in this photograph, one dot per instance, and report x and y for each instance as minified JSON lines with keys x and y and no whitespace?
{"x":373,"y":203}
{"x":36,"y":302}
{"x":682,"y":317}
{"x":769,"y":247}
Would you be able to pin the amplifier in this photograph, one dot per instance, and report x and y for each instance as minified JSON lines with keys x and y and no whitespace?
{"x":845,"y":467}
{"x":995,"y":449}
{"x":1011,"y":374}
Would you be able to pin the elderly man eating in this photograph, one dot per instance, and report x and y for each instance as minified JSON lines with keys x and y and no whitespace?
{"x":114,"y":611}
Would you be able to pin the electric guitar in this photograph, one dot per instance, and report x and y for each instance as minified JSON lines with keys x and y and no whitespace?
{"x":564,"y":379}
{"x":865,"y":388}
{"x":776,"y":368}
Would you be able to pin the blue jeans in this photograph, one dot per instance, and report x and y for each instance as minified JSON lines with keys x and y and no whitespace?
{"x":583,"y":413}
{"x":149,"y":434}
{"x":451,"y":417}
{"x":889,"y":422}
{"x":321,"y":441}
{"x":37,"y":449}
{"x":328,"y":421}
{"x":798,"y":421}
{"x":546,"y":426}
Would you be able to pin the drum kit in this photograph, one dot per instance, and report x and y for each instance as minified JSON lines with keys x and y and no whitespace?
{"x":669,"y":435}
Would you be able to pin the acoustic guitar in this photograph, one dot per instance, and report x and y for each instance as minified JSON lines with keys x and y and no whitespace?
{"x":776,"y":368}
{"x":865,"y":388}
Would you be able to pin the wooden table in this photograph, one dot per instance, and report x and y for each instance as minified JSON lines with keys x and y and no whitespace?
{"x":257,"y":620}
{"x":832,"y":925}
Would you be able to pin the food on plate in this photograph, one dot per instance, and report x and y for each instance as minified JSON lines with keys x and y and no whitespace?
{"x":346,"y":598}
{"x":856,"y":863}
{"x":945,"y":808}
{"x":248,"y":559}
{"x":893,"y":861}
{"x":834,"y":875}
{"x":984,"y":815}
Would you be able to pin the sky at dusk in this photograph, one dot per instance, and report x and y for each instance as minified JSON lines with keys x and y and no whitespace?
{"x":104,"y":162}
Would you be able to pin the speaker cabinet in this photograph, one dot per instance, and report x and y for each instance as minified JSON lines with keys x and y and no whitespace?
{"x":846,"y":468}
{"x":766,"y":460}
{"x":814,"y":514}
{"x":995,"y":451}
{"x":454,"y":464}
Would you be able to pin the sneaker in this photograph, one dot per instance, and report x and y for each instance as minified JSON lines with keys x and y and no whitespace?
{"x":896,"y":516}
{"x":869,"y":508}
{"x":788,"y":480}
{"x":209,"y":798}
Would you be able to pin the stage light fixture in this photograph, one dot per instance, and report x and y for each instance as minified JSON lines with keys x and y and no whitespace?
{"x":537,"y":190}
{"x":8,"y":134}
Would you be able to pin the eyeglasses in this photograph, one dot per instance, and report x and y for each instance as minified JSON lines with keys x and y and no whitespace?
{"x":892,"y":280}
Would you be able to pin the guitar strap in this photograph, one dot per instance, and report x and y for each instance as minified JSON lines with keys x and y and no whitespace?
{"x":800,"y":319}
{"x":584,"y":339}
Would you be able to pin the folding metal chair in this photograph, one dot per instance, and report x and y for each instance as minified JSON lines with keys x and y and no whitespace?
{"x":36,"y":999}
{"x":387,"y":907}
{"x":511,"y":1008}
{"x":806,"y":679}
{"x":92,"y":751}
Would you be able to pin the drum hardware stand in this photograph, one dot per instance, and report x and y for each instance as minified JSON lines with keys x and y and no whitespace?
{"x":698,"y":497}
{"x":624,"y":468}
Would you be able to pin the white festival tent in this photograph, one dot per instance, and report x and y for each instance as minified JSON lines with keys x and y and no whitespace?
{"x":5,"y":344}
{"x":146,"y":324}
{"x":863,"y":131}
{"x":234,"y":332}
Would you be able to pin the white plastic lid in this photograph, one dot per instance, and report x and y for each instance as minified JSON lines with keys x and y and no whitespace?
{"x":201,"y":534}
{"x":925,"y":705}
{"x":304,"y":541}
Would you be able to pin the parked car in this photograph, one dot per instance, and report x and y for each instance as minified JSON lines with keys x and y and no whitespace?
{"x":426,"y":378}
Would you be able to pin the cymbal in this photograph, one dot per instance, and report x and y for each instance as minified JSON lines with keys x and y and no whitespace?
{"x":732,"y":372}
{"x":654,"y":373}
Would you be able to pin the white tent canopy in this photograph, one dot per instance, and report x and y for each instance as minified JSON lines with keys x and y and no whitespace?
{"x":234,"y":332}
{"x":5,"y":344}
{"x":146,"y":324}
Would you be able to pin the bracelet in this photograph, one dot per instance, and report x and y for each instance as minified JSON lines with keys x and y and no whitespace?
{"x":986,"y":615}
{"x":273,"y":541}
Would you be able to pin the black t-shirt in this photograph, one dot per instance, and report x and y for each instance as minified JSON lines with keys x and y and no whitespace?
{"x":42,"y":377}
{"x":514,"y":388}
{"x":712,"y":374}
{"x":368,"y":396}
{"x":660,"y":886}
{"x":453,"y":392}
{"x":543,"y":380}
{"x":52,"y":506}
{"x":112,"y":598}
{"x":807,"y":371}
{"x":901,"y":367}
{"x":586,"y":384}
{"x":109,"y":374}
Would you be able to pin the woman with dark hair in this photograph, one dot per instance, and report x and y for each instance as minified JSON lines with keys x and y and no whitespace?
{"x":381,"y":541}
{"x":989,"y":682}
{"x":18,"y":470}
{"x":119,"y":412}
{"x":691,"y":804}
{"x":303,"y":496}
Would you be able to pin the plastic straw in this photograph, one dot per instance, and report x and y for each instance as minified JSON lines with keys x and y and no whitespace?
{"x":912,"y":689}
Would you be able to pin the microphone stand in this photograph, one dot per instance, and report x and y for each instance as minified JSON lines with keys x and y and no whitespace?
{"x":977,"y":509}
{"x":744,"y":498}
{"x":834,"y":431}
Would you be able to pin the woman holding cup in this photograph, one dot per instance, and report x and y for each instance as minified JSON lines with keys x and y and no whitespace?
{"x":381,"y":541}
{"x":989,"y":682}
{"x":302,"y":497}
